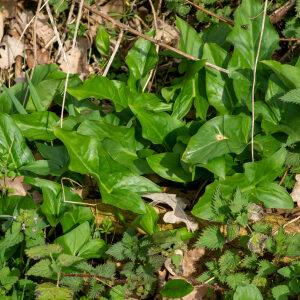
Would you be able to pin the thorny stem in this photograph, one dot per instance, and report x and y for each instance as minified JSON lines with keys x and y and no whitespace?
{"x":254,"y":77}
{"x":149,"y":38}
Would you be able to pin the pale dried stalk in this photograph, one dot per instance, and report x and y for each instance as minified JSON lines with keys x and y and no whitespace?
{"x":112,"y":57}
{"x":68,"y":71}
{"x":157,"y":46}
{"x":148,"y":38}
{"x":254,"y":77}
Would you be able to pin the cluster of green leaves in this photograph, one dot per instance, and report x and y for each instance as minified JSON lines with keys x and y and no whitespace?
{"x":198,"y":127}
{"x":257,"y":263}
{"x":26,"y":258}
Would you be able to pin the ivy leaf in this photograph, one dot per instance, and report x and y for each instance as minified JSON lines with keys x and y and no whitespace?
{"x":176,"y":288}
{"x":102,"y":40}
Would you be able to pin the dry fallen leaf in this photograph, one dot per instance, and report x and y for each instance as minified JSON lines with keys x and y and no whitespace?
{"x":44,"y":30}
{"x":77,"y":58}
{"x":10,"y":48}
{"x":1,"y":25}
{"x":190,"y":262}
{"x":167,"y":33}
{"x":178,"y":204}
{"x":198,"y":293}
{"x":15,"y":186}
{"x":295,"y":194}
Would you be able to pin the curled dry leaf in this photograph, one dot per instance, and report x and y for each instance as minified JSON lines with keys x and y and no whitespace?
{"x":15,"y":186}
{"x":178,"y":204}
{"x":10,"y":48}
{"x":1,"y":25}
{"x":295,"y":194}
{"x":255,"y":212}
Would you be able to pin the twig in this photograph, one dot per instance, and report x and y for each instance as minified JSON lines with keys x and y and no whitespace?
{"x":290,"y":40}
{"x":112,"y":57}
{"x":68,"y":71}
{"x":254,"y":77}
{"x":208,"y":12}
{"x":279,"y":13}
{"x":149,"y":38}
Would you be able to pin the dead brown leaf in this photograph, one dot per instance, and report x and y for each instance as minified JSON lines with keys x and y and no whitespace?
{"x":190,"y":262}
{"x":295,"y":194}
{"x":15,"y":186}
{"x":44,"y":30}
{"x":10,"y":48}
{"x":178,"y":204}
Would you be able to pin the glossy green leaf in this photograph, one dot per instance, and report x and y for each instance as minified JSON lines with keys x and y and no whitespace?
{"x":273,"y":195}
{"x":168,"y":166}
{"x":157,"y":127}
{"x":19,"y":107}
{"x":76,"y":215}
{"x":102,"y":40}
{"x":176,"y":288}
{"x":74,"y":240}
{"x":288,"y":74}
{"x":44,"y":167}
{"x":44,"y":93}
{"x":94,"y":248}
{"x":141,"y":59}
{"x":246,"y":32}
{"x":219,"y":89}
{"x":38,"y":125}
{"x":12,"y":143}
{"x":148,"y":221}
{"x":190,"y":41}
{"x":218,"y":136}
{"x":245,"y":37}
{"x":118,"y":185}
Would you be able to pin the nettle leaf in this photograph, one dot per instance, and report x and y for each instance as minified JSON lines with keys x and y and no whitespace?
{"x":288,"y":74}
{"x":168,"y":166}
{"x":42,"y":251}
{"x":247,"y":292}
{"x":292,"y":96}
{"x":211,"y":238}
{"x":218,"y":136}
{"x":12,"y":143}
{"x":52,"y":291}
{"x":38,"y":125}
{"x":176,"y":288}
{"x":219,"y":89}
{"x":190,"y":40}
{"x":141,"y":59}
